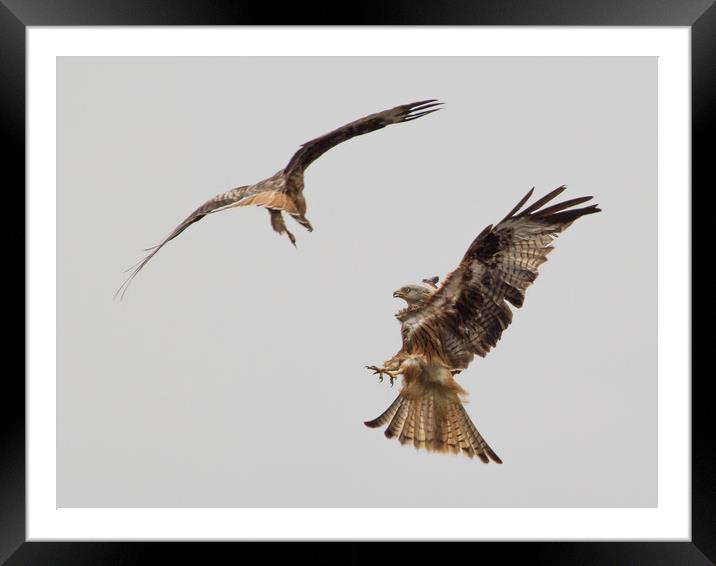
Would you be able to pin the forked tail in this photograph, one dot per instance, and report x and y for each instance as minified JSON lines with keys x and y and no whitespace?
{"x":434,"y":418}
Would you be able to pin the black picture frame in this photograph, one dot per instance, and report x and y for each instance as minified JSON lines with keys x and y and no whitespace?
{"x":17,"y":15}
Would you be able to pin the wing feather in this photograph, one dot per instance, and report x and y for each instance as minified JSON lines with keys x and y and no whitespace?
{"x":470,"y":309}
{"x":313,"y":149}
{"x":261,"y":195}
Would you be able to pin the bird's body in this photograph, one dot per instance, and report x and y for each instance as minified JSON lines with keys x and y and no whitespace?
{"x":444,"y":328}
{"x":283,"y":191}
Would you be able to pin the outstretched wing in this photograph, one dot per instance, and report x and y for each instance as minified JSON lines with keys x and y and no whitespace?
{"x":467,"y":314}
{"x":312,"y":150}
{"x":261,"y":195}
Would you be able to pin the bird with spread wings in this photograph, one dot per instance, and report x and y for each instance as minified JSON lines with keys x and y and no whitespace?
{"x":443,"y":328}
{"x":283,"y":191}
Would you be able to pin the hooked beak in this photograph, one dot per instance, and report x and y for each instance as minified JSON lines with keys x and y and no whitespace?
{"x":398,"y":294}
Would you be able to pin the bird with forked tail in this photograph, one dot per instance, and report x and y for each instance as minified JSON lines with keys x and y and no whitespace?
{"x":283,"y":191}
{"x":444,"y":327}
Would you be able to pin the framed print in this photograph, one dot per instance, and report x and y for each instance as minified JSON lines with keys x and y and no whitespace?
{"x":223,"y":396}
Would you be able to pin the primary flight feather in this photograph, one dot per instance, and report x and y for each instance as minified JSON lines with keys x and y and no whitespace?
{"x":283,"y":191}
{"x":443,"y":328}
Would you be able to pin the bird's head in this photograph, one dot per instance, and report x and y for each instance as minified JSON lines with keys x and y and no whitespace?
{"x":416,"y":293}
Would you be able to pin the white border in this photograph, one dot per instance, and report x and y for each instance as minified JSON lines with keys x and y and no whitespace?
{"x":670,"y":520}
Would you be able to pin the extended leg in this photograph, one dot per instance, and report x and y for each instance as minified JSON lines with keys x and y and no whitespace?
{"x":279,"y":225}
{"x":303,"y":221}
{"x":392,"y":373}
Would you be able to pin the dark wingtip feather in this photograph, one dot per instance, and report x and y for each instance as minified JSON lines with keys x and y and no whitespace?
{"x":568,"y":216}
{"x":426,"y":105}
{"x":544,"y":200}
{"x":415,"y":110}
{"x":411,"y":117}
{"x":419,"y":103}
{"x":122,"y":289}
{"x":519,"y":204}
{"x":556,"y":213}
{"x":562,"y":205}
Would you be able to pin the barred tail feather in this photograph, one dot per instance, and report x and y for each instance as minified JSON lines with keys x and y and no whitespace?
{"x":387,"y":416}
{"x":435,"y":421}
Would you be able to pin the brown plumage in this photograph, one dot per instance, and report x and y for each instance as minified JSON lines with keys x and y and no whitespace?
{"x":444,"y":328}
{"x":283,"y":191}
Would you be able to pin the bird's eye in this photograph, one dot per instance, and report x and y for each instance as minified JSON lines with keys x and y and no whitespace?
{"x":406,"y":291}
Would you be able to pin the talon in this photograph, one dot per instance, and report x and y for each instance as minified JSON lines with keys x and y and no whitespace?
{"x":377,"y":371}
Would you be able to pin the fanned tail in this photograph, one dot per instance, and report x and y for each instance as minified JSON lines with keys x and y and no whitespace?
{"x":435,"y":421}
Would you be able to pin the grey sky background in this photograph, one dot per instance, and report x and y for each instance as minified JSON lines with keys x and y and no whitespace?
{"x":232,"y":373}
